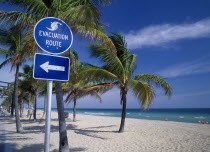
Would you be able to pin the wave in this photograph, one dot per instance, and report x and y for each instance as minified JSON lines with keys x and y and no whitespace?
{"x":201,"y":117}
{"x":181,"y":116}
{"x":97,"y":114}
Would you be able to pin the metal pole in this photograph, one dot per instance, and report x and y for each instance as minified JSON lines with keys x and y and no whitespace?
{"x":48,"y":117}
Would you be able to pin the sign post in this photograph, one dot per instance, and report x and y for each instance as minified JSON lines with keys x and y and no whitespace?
{"x":48,"y":116}
{"x":53,"y":36}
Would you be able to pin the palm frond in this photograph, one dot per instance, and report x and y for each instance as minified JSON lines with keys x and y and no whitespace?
{"x":73,"y":59}
{"x":5,"y":63}
{"x":86,"y":15}
{"x":98,"y":75}
{"x":155,"y":80}
{"x":95,"y":94}
{"x":144,"y":92}
{"x":27,"y":72}
{"x":5,"y":52}
{"x":91,"y":89}
{"x":111,"y":61}
{"x":95,"y":33}
{"x":3,"y":33}
{"x":132,"y":64}
{"x":16,"y":17}
{"x":35,"y":7}
{"x":100,"y":88}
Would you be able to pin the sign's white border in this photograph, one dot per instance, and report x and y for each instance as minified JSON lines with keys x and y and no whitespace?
{"x":54,"y":56}
{"x":46,"y":50}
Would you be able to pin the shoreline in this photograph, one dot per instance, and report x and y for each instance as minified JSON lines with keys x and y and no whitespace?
{"x":99,"y":133}
{"x":167,"y":115}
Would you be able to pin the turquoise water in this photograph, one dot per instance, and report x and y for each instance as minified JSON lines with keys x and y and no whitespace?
{"x":178,"y":115}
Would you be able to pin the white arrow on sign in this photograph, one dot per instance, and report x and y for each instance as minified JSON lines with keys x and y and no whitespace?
{"x":45,"y":66}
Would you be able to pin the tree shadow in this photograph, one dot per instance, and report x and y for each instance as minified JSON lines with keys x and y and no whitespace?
{"x":15,"y":138}
{"x":26,"y":148}
{"x":73,"y":149}
{"x":7,"y":119}
{"x":6,"y":140}
{"x":88,"y":132}
{"x":101,"y":127}
{"x":39,"y":129}
{"x":11,"y":147}
{"x":78,"y":149}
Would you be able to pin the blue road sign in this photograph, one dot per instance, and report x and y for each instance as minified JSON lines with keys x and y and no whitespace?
{"x":53,"y":35}
{"x":51,"y":67}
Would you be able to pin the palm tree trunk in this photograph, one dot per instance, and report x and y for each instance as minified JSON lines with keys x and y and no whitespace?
{"x":35,"y":106}
{"x":45,"y":106}
{"x":123,"y":99}
{"x":74,"y":110}
{"x":28,"y":102}
{"x":63,"y":144}
{"x":13,"y":104}
{"x":21,"y":108}
{"x":17,"y":114}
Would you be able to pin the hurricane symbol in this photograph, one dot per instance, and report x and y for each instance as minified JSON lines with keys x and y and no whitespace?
{"x":54,"y":26}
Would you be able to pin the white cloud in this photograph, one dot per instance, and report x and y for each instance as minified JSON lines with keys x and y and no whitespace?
{"x":201,"y":65}
{"x":157,"y":35}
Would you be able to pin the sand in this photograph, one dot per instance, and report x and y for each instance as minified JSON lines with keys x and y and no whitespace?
{"x":99,"y":134}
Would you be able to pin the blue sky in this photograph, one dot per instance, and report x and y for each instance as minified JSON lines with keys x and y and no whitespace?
{"x":171,"y":39}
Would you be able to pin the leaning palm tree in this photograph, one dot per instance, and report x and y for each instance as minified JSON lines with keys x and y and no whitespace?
{"x":83,"y":16}
{"x":18,"y":51}
{"x":118,"y":71}
{"x":76,"y":87}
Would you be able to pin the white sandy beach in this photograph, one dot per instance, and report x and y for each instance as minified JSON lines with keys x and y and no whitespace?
{"x":99,"y":134}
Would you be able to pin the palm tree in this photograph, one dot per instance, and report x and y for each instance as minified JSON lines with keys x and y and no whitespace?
{"x":31,"y":85}
{"x":76,"y":87}
{"x":6,"y":93}
{"x":26,"y":82}
{"x":83,"y":16}
{"x":22,"y":97}
{"x":19,"y":49}
{"x":118,"y":71}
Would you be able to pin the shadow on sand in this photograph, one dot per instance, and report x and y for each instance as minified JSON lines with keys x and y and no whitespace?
{"x":90,"y":131}
{"x":9,"y":147}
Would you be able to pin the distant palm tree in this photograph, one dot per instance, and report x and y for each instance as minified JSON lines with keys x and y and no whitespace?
{"x":76,"y":87}
{"x":6,"y":93}
{"x":31,"y":85}
{"x":83,"y":16}
{"x":118,"y":71}
{"x":18,"y":51}
{"x":22,"y":97}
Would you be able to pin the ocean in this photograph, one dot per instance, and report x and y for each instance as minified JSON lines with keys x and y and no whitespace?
{"x":178,"y":115}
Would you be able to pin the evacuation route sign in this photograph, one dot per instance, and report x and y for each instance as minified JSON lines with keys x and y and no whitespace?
{"x":51,"y":67}
{"x":53,"y":35}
